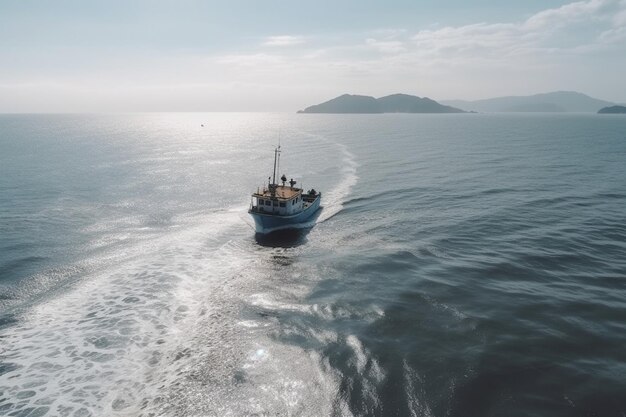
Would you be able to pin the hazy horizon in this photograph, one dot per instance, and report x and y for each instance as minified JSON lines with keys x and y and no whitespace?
{"x":69,"y":56}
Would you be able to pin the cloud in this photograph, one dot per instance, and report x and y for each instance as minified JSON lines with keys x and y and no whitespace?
{"x":486,"y":39}
{"x":536,"y":51}
{"x":250,"y":60}
{"x":613,"y":36}
{"x":577,"y":12}
{"x":284,"y":40}
{"x":576,"y":46}
{"x":620,"y":18}
{"x":573,"y":27}
{"x":386,"y":47}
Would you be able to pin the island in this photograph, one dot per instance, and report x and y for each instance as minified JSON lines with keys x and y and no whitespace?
{"x":553,"y":102}
{"x":613,"y":110}
{"x":395,"y":103}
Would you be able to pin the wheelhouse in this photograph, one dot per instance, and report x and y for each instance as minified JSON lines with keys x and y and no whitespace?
{"x":279,"y":200}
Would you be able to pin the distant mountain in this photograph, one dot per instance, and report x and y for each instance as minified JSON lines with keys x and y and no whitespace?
{"x":395,"y":103}
{"x":613,"y":110}
{"x":559,"y":101}
{"x":404,"y":103}
{"x":346,"y":104}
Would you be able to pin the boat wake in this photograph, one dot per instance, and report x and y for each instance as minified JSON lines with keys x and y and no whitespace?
{"x":337,"y":196}
{"x":102,"y":347}
{"x":334,"y":199}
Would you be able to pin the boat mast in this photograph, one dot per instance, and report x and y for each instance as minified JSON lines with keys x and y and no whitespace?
{"x":276,"y":152}
{"x":278,"y":165}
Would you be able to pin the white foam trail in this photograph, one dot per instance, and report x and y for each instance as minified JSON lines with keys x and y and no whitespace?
{"x":101,"y":347}
{"x":245,"y":217}
{"x":157,"y":331}
{"x":332,"y":201}
{"x":336,"y":197}
{"x":416,"y":395}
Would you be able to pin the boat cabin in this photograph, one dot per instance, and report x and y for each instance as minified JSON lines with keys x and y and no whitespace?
{"x":281,"y":200}
{"x":277,"y":199}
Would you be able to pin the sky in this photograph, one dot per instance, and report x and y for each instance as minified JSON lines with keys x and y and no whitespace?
{"x":279,"y":55}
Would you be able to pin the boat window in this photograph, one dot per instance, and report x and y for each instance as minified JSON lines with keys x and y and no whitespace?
{"x":260,"y":202}
{"x":268,"y":203}
{"x":282,"y":204}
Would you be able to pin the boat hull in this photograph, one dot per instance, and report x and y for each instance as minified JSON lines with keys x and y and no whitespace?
{"x":266,"y":223}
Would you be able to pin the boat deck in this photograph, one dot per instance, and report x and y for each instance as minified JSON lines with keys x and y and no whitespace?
{"x":281,"y":192}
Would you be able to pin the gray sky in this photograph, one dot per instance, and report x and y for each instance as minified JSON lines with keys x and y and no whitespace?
{"x":244,"y":55}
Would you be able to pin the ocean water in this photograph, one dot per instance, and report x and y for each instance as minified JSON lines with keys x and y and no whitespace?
{"x":462,"y":265}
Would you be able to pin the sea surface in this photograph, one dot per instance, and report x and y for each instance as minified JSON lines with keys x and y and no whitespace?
{"x":462,"y":265}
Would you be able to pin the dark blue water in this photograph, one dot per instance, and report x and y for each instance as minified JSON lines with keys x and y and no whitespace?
{"x":463,"y":265}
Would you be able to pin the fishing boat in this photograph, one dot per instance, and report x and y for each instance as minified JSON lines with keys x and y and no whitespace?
{"x":280,"y":206}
